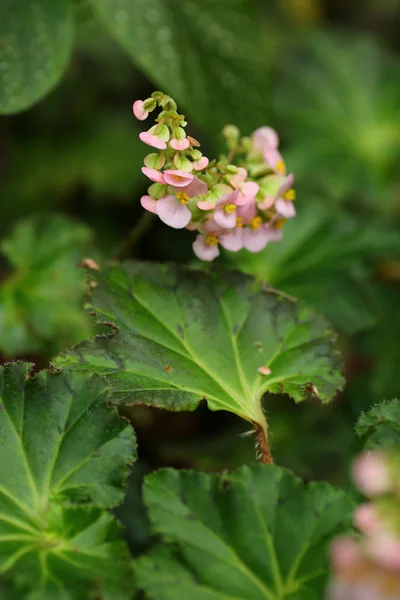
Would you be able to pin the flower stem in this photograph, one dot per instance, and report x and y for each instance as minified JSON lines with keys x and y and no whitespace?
{"x":134,"y":235}
{"x":263,"y":449}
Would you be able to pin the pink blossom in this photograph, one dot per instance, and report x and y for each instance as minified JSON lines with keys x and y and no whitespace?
{"x":273,"y":158}
{"x":177,"y":178}
{"x":265,"y":137}
{"x":179,"y":144}
{"x":285,"y":208}
{"x":232,"y":240}
{"x":247,"y":212}
{"x":255,"y":239}
{"x":267,"y":202}
{"x":344,"y":553}
{"x":152,"y":140}
{"x":139,"y":110}
{"x":239,"y":177}
{"x":225,"y":213}
{"x":196,"y":187}
{"x":371,"y":474}
{"x":246,"y":192}
{"x":149,"y":204}
{"x":274,"y":234}
{"x":173,"y":210}
{"x":201,"y":164}
{"x":153,"y":174}
{"x":205,"y":205}
{"x":385,"y":549}
{"x":366,"y":519}
{"x":206,"y":247}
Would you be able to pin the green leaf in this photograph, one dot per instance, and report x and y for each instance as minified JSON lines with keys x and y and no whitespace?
{"x":40,"y":301}
{"x":255,"y":534}
{"x":346,"y":115}
{"x":323,"y":259}
{"x":172,"y":41}
{"x":381,"y":424}
{"x":64,"y":457}
{"x":184,"y":335}
{"x":36,"y":41}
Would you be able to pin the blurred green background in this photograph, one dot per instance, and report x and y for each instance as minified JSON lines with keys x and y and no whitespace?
{"x":324,"y":73}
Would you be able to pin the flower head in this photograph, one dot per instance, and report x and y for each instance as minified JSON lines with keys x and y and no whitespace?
{"x":139,"y":110}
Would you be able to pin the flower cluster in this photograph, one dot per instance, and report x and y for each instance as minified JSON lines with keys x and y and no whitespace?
{"x":368,"y":567}
{"x":240,"y":201}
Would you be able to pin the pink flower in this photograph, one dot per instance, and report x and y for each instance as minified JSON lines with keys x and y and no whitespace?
{"x":274,"y":234}
{"x":225,"y":212}
{"x":139,"y":110}
{"x":366,"y":519}
{"x":179,"y":144}
{"x":285,"y":198}
{"x":344,"y":553}
{"x":255,"y":237}
{"x":245,"y":192}
{"x":239,"y":177}
{"x":371,"y":474}
{"x":195,"y":188}
{"x":206,"y":247}
{"x":149,"y":204}
{"x":152,"y":140}
{"x":273,"y":158}
{"x":201,"y":164}
{"x":265,"y":137}
{"x":267,"y":202}
{"x":153,"y":174}
{"x":173,"y":210}
{"x":232,"y":240}
{"x":177,"y":178}
{"x":385,"y":549}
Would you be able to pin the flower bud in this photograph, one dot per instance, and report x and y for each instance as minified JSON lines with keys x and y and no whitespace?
{"x":231,"y":133}
{"x":157,"y":190}
{"x":154,"y":160}
{"x":371,"y":474}
{"x":149,"y":104}
{"x":182,"y":163}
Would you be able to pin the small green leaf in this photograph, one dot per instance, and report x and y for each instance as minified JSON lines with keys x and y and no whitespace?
{"x":255,"y":534}
{"x":310,"y":264}
{"x":184,"y":335}
{"x":381,"y":424}
{"x":210,"y":55}
{"x":40,"y":301}
{"x":35,"y":45}
{"x":64,"y":457}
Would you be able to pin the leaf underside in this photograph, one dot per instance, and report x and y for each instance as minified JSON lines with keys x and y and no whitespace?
{"x":381,"y":425}
{"x":255,"y":534}
{"x":184,"y":335}
{"x":64,"y":457}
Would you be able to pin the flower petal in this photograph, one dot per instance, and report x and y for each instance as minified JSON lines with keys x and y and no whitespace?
{"x":153,"y":174}
{"x":247,"y":212}
{"x":255,"y":240}
{"x":274,"y":234}
{"x":139,"y":111}
{"x":149,"y":204}
{"x":224,"y":219}
{"x":196,"y":187}
{"x":267,"y":202}
{"x":272,"y":157}
{"x":201,"y":163}
{"x":285,"y":208}
{"x":173,"y":213}
{"x":152,"y":140}
{"x":286,"y":184}
{"x":232,"y":241}
{"x":179,"y":144}
{"x":265,"y":137}
{"x":177,"y":178}
{"x":205,"y":205}
{"x":203,"y":250}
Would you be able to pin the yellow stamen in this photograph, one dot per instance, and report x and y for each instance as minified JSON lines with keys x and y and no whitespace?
{"x":212,"y":240}
{"x":281,"y":167}
{"x":239,"y":222}
{"x":230,"y":208}
{"x":255,"y":223}
{"x":279,"y":223}
{"x":182,"y":197}
{"x":290,"y":195}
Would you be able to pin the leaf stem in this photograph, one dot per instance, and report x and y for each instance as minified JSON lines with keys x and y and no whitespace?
{"x":264,"y":452}
{"x":134,"y":235}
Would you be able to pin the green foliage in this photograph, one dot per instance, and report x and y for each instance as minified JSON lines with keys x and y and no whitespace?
{"x":163,"y":38}
{"x":40,"y":300}
{"x":183,"y":336}
{"x":256,"y":534}
{"x":323,"y":260}
{"x":64,"y":456}
{"x":36,"y":41}
{"x":345,"y":121}
{"x":381,"y":425}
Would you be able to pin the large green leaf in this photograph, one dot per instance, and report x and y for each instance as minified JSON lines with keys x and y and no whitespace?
{"x":381,"y":424}
{"x":344,"y":124}
{"x":184,"y":335}
{"x":40,"y":301}
{"x":36,"y":40}
{"x":209,"y":54}
{"x":324,"y":259}
{"x":255,"y":534}
{"x":64,"y":456}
